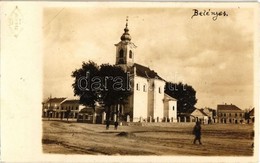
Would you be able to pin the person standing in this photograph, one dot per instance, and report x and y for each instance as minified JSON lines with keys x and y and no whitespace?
{"x":197,"y":133}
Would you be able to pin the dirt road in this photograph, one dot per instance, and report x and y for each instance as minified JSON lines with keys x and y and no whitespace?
{"x":173,"y":139}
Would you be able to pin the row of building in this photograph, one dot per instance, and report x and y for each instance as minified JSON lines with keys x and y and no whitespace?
{"x":71,"y":108}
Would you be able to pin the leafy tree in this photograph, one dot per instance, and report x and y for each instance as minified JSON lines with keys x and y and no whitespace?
{"x":107,"y":84}
{"x":185,"y":94}
{"x":115,"y":88}
{"x":82,"y":83}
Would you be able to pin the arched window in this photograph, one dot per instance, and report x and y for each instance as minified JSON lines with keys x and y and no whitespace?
{"x":159,"y":89}
{"x":144,"y":88}
{"x":173,"y":108}
{"x":130,"y":54}
{"x":121,"y":53}
{"x":137,"y":86}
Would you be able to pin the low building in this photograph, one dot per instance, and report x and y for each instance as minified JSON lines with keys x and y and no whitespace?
{"x":199,"y":115}
{"x":70,"y":106}
{"x":61,"y":108}
{"x":251,"y":116}
{"x":51,"y":107}
{"x":89,"y":115}
{"x":230,"y":114}
{"x":211,"y":113}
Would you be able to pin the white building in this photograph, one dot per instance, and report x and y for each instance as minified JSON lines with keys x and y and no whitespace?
{"x":148,"y":102}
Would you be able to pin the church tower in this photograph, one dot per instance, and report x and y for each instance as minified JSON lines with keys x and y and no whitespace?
{"x":125,"y":50}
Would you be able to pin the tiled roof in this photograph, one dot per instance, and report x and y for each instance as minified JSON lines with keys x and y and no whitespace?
{"x":56,"y":100}
{"x":168,"y":97}
{"x":252,"y":112}
{"x":202,"y":112}
{"x":228,"y":107}
{"x":146,"y":72}
{"x":71,"y":102}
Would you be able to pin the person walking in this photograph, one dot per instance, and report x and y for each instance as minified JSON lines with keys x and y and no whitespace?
{"x":107,"y":124}
{"x":116,"y":125}
{"x":197,"y":133}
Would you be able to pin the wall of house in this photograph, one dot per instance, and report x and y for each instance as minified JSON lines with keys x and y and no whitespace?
{"x":74,"y":107}
{"x":230,"y":116}
{"x":140,"y":96}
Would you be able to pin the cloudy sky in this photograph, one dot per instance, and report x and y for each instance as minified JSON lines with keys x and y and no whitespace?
{"x":215,"y":57}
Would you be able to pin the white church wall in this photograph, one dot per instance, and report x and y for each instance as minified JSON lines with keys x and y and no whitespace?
{"x":173,"y":110}
{"x":150,"y":98}
{"x":166,"y":108}
{"x":158,"y":99}
{"x":140,"y":103}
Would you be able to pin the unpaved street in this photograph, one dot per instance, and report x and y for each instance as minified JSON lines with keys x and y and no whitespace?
{"x":161,"y":139}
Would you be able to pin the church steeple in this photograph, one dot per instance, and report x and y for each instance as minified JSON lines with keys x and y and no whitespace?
{"x":126,"y":36}
{"x":125,"y":49}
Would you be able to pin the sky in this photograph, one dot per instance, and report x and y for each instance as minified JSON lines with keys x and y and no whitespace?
{"x":214,"y":57}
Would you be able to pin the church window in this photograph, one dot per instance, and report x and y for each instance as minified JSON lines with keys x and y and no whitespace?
{"x":159,"y":89}
{"x":173,"y":108}
{"x":121,"y":53}
{"x":130,"y":54}
{"x":137,"y":86}
{"x":144,"y":88}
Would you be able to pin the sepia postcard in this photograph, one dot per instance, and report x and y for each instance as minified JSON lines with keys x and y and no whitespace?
{"x":129,"y":82}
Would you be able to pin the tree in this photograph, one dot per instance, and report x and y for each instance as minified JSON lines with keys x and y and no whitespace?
{"x":115,"y":89}
{"x":108,"y":84}
{"x":185,"y":95}
{"x":82,"y":83}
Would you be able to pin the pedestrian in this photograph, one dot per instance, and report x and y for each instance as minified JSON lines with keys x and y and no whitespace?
{"x":107,"y":124}
{"x":116,"y":124}
{"x":197,"y":133}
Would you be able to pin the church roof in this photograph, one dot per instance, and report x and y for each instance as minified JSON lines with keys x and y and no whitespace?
{"x":168,"y":97}
{"x":146,"y":72}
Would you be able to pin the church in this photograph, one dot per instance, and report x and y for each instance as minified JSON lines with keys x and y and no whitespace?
{"x":148,"y":102}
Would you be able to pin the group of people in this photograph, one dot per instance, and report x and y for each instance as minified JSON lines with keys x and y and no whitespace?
{"x":108,"y":123}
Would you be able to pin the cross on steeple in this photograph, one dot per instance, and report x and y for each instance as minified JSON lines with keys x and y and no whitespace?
{"x":126,"y":21}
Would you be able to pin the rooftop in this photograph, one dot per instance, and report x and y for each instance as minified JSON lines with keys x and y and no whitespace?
{"x":146,"y":72}
{"x":228,"y":107}
{"x":71,"y":102}
{"x":55,"y":100}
